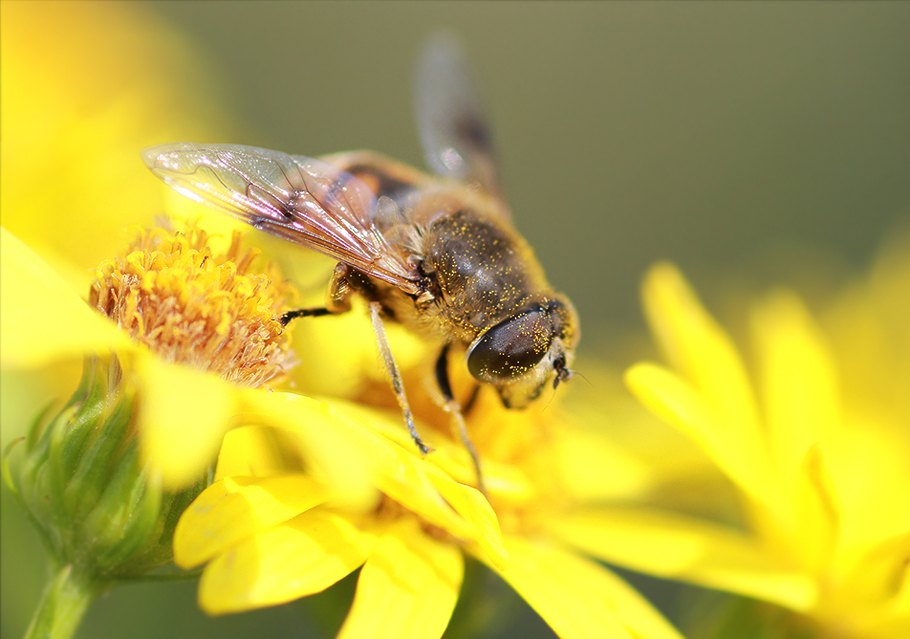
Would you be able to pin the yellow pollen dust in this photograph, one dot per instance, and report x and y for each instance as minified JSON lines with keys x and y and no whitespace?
{"x":213,"y":312}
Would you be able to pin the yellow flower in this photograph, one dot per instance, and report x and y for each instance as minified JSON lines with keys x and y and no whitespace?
{"x":269,"y":533}
{"x":183,"y":338}
{"x":814,"y":439}
{"x":175,"y":301}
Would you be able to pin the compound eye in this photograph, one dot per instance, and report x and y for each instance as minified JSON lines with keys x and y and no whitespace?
{"x":511,"y":348}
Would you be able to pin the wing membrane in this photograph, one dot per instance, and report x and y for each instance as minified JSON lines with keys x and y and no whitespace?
{"x":300,"y":199}
{"x":454,"y":131}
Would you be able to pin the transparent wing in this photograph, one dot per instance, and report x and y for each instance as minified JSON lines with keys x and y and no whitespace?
{"x":454,"y":133}
{"x":300,"y":199}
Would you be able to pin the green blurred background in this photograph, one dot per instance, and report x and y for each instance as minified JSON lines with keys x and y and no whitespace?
{"x":712,"y":134}
{"x":628,"y":132}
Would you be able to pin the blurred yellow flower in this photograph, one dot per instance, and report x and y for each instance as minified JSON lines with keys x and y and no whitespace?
{"x":815,"y":440}
{"x":84,"y":87}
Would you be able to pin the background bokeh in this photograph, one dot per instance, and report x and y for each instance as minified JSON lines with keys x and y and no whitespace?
{"x":700,"y":132}
{"x":718,"y":135}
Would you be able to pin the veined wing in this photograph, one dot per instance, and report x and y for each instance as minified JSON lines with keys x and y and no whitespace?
{"x":300,"y":199}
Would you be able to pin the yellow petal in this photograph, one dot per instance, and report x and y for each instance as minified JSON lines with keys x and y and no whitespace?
{"x":881,"y":574}
{"x":892,"y":618}
{"x":674,"y":400}
{"x":407,"y":588}
{"x":43,"y":319}
{"x":634,"y":611}
{"x":236,"y":508}
{"x":474,"y":507}
{"x":301,"y":557}
{"x":868,"y":331}
{"x":423,"y":489}
{"x":346,"y":451}
{"x":870,"y":468}
{"x":408,"y":480}
{"x":256,"y":451}
{"x":670,"y":545}
{"x":572,"y":594}
{"x":416,"y":483}
{"x":334,"y":449}
{"x":705,"y":356}
{"x":799,"y":382}
{"x":594,"y":469}
{"x":346,"y":350}
{"x":697,"y":345}
{"x":183,"y":415}
{"x":506,"y":481}
{"x":815,"y":523}
{"x":614,"y":449}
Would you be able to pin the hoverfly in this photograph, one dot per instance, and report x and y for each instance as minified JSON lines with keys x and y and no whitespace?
{"x":439,"y":254}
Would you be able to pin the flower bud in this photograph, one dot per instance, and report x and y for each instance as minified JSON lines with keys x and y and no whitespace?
{"x":100,"y":506}
{"x":80,"y":478}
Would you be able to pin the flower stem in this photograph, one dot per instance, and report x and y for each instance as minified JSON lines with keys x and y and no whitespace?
{"x":63,"y":604}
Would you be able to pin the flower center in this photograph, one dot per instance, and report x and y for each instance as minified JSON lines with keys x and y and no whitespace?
{"x":213,"y":311}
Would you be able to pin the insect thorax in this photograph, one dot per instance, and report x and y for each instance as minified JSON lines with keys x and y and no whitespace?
{"x":484,"y":271}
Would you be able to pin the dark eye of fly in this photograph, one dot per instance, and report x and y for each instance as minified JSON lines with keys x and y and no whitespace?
{"x":513,"y":347}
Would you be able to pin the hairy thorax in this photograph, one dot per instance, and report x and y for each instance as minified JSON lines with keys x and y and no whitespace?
{"x":484,"y":271}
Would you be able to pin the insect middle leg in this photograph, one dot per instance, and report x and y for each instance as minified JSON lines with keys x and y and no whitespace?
{"x":392,"y":367}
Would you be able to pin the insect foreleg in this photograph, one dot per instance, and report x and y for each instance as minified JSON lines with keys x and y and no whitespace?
{"x":302,"y":312}
{"x":338,"y":298}
{"x":453,"y":408}
{"x":397,"y":386}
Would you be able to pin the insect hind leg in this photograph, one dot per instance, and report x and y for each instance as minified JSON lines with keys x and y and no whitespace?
{"x":453,"y":408}
{"x":392,"y":368}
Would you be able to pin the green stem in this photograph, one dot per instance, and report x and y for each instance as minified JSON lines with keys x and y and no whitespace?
{"x":64,"y":602}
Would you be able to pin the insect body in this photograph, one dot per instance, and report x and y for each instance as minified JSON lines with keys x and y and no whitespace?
{"x":438,"y":254}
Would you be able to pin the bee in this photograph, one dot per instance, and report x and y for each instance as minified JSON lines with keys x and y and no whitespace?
{"x":436,"y":253}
